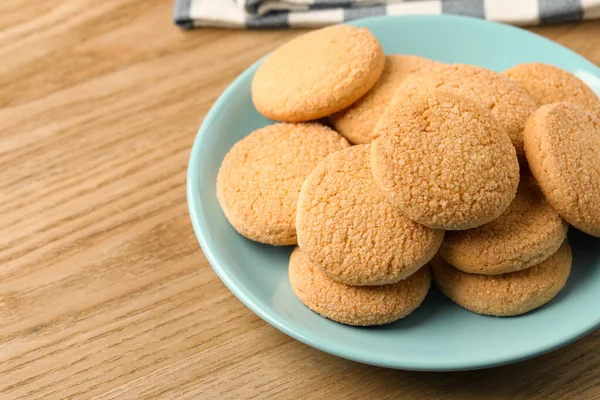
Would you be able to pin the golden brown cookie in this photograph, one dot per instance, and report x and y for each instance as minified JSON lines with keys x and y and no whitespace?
{"x":356,"y":122}
{"x":444,"y":161}
{"x":505,"y":100}
{"x":260,"y":178}
{"x":509,"y":294}
{"x":562,"y":142}
{"x":548,"y":84}
{"x":356,"y":305}
{"x":317,"y":74}
{"x":351,"y":232}
{"x":527,"y":233}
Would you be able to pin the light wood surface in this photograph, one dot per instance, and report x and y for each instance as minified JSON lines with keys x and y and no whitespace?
{"x":104,"y":291}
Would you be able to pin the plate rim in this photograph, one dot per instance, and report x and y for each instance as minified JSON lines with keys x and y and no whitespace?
{"x":247,"y":297}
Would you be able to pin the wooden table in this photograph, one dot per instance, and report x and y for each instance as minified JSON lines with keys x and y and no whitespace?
{"x":104,"y":291}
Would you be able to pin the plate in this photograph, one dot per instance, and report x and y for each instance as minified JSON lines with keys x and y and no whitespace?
{"x":439,"y":336}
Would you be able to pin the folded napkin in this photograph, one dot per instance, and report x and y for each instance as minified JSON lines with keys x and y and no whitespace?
{"x":317,"y":13}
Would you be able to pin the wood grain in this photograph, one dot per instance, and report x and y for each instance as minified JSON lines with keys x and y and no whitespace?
{"x":104,"y":291}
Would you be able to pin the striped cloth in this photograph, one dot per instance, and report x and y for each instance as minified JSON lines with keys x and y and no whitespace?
{"x":317,"y":13}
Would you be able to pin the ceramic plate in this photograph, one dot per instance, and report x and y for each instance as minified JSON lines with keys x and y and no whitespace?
{"x":439,"y":335}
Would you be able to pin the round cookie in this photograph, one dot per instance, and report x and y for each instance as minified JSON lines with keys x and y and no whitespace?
{"x":505,"y":100}
{"x":356,"y":305}
{"x":260,"y":178}
{"x":562,"y":142}
{"x":548,"y":84}
{"x":317,"y":74}
{"x":444,"y":161}
{"x":527,"y":233}
{"x":356,"y":122}
{"x":351,"y":232}
{"x":508,"y":294}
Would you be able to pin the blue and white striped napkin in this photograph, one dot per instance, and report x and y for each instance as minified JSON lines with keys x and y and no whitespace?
{"x":317,"y":13}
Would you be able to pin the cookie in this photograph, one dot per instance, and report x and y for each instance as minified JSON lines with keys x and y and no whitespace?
{"x":351,"y":232}
{"x":562,"y":143}
{"x":356,"y":122}
{"x":505,"y":100}
{"x":444,"y":161}
{"x":260,"y":178}
{"x":508,"y":294}
{"x":548,"y":84}
{"x":356,"y":305}
{"x":317,"y":74}
{"x":527,"y":233}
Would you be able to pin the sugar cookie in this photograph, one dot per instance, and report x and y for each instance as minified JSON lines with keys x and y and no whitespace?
{"x":562,"y":142}
{"x":505,"y":100}
{"x":260,"y":178}
{"x":527,"y":233}
{"x":356,"y":122}
{"x":356,"y":305}
{"x":509,"y":294}
{"x":444,"y":161}
{"x":548,"y":84}
{"x":351,"y":232}
{"x":317,"y":74}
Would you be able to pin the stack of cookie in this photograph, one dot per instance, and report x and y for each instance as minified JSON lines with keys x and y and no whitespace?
{"x":414,"y":163}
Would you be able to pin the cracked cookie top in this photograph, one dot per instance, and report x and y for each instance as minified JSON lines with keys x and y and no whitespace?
{"x":562,"y":142}
{"x":504,"y":99}
{"x":444,"y":161}
{"x":351,"y":232}
{"x":548,"y":84}
{"x":260,"y":178}
{"x":356,"y":305}
{"x":356,"y":122}
{"x":527,"y":233}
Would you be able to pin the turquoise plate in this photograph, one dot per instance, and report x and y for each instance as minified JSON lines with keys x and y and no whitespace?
{"x":439,"y":335}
